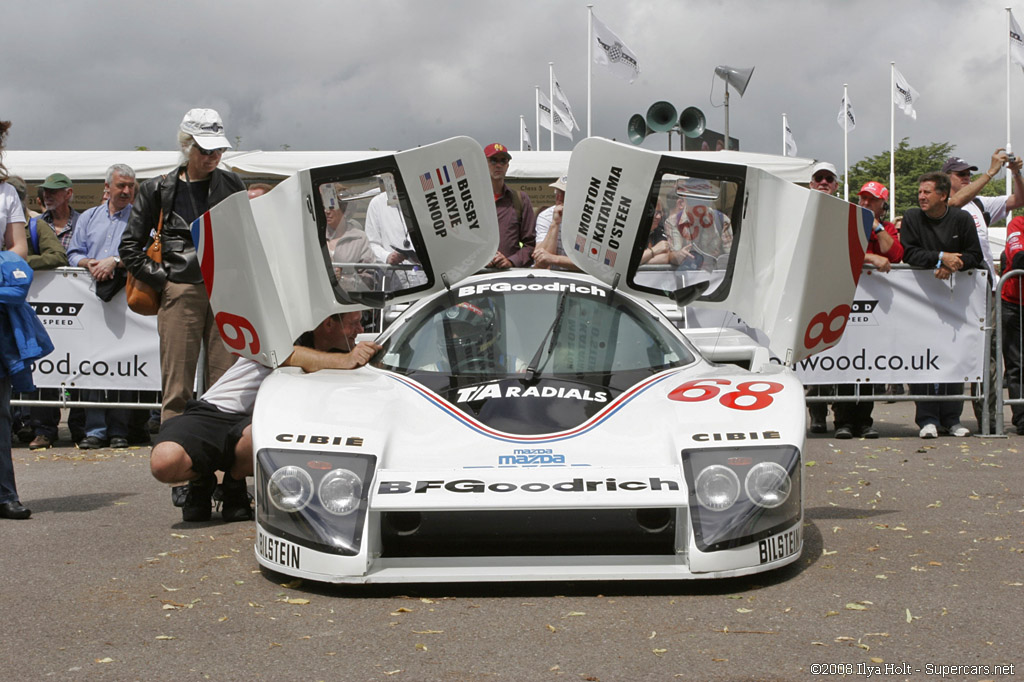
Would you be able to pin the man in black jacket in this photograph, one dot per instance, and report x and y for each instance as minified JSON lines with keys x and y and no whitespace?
{"x":944,"y":239}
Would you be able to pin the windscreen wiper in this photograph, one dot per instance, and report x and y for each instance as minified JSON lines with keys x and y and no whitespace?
{"x":532,"y":368}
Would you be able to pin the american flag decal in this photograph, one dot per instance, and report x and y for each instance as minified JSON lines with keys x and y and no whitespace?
{"x":427,"y":182}
{"x":609,"y":258}
{"x":581,"y":244}
{"x":459,"y":169}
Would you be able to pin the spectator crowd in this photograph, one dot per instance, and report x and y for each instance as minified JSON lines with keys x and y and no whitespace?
{"x":203,"y":442}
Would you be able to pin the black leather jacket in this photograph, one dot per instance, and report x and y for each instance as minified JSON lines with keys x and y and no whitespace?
{"x":180,"y":262}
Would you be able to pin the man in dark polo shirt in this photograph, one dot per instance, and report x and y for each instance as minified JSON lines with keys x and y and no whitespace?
{"x":516,"y":223}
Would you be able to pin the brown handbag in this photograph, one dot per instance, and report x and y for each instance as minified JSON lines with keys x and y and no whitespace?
{"x":142,"y":298}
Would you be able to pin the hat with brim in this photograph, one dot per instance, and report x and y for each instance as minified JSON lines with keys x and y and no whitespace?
{"x":56,"y":181}
{"x":824,"y":166}
{"x":495,"y":149}
{"x":560,"y":183}
{"x":955,"y":164}
{"x":206,"y":128}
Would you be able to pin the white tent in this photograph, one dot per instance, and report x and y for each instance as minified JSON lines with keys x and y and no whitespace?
{"x":34,"y":166}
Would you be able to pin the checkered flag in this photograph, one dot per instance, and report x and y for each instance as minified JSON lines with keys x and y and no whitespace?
{"x":904,"y":95}
{"x":611,"y":53}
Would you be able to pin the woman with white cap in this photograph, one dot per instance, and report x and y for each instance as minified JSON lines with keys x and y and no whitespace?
{"x":185,"y":320}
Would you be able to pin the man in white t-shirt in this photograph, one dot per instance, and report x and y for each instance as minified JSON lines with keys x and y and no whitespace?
{"x":214,"y":433}
{"x":985,"y":211}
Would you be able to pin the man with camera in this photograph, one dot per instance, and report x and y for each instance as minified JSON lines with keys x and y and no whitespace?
{"x":985,"y":211}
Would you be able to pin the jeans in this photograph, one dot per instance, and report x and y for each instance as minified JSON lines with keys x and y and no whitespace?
{"x":945,"y":413}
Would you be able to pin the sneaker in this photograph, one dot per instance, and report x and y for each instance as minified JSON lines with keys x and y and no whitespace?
{"x":959,"y":430}
{"x":237,"y":504}
{"x":91,"y":443}
{"x":844,"y":433}
{"x":869,"y":432}
{"x":178,"y":495}
{"x":929,"y":431}
{"x":118,"y":442}
{"x":198,"y":504}
{"x":818,"y":427}
{"x":40,"y":442}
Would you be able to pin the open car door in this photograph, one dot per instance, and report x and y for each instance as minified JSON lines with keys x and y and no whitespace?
{"x":345,"y":237}
{"x":783,"y":258}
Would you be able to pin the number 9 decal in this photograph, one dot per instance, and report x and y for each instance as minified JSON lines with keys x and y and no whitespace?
{"x":828,"y":333}
{"x":236,"y":337}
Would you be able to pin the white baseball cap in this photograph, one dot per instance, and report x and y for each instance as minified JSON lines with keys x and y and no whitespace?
{"x":206,"y":128}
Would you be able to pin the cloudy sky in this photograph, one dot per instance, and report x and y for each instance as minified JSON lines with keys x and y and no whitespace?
{"x":348,"y":75}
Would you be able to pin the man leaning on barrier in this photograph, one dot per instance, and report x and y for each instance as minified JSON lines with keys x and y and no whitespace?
{"x":1011,"y":312}
{"x":943,"y":239}
{"x":884,"y":249}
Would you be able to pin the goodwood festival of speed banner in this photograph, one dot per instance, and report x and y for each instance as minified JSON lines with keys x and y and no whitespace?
{"x":96,"y":345}
{"x":906,"y":326}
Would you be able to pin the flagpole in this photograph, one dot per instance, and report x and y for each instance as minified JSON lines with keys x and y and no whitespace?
{"x":846,"y":148}
{"x":522,"y":126}
{"x":536,"y":111}
{"x":551,"y":98}
{"x":892,"y":141}
{"x":590,"y":61}
{"x":783,"y":134}
{"x":1009,"y":144}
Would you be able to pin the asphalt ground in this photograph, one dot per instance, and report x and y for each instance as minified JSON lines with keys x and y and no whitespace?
{"x":913,"y":556}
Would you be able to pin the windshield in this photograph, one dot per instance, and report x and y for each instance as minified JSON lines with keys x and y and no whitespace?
{"x":532,"y":326}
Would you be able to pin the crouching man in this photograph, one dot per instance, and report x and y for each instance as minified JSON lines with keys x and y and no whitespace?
{"x":214,"y":432}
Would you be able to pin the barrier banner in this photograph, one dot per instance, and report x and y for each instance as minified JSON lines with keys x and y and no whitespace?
{"x":96,"y":344}
{"x":906,"y":326}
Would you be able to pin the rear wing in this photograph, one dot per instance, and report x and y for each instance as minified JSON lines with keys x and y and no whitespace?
{"x":783,"y":258}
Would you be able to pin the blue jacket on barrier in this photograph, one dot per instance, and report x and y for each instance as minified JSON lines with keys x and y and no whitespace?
{"x":22,"y":336}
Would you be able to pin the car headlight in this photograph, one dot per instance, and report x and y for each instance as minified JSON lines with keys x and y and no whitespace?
{"x":314,"y":498}
{"x":717,"y":487}
{"x":340,"y":492}
{"x":767,"y":485}
{"x":290,"y":489}
{"x":726,"y":513}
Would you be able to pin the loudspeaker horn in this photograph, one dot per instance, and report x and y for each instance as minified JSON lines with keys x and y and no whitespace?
{"x":692,"y":122}
{"x":737,"y":78}
{"x":637,"y":129}
{"x":661,"y":116}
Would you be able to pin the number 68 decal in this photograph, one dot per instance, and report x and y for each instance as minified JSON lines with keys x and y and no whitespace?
{"x":826,"y":328}
{"x":749,"y":395}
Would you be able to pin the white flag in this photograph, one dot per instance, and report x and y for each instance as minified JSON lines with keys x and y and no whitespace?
{"x":1016,"y":42}
{"x":524,"y":135}
{"x":790,"y":142}
{"x":904,"y":95}
{"x":561,"y":126}
{"x":846,"y":120}
{"x":611,"y":53}
{"x":564,"y":102}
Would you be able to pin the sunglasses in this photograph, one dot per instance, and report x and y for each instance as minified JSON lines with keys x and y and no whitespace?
{"x":500,"y":160}
{"x":824,"y":177}
{"x":209,"y":152}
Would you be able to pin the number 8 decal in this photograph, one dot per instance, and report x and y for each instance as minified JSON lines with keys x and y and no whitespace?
{"x":828,"y":334}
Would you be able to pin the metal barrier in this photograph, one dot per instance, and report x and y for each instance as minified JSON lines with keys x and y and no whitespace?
{"x":1000,"y":368}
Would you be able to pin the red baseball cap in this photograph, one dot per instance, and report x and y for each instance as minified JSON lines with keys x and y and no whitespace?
{"x":496,"y":148}
{"x":875,"y":189}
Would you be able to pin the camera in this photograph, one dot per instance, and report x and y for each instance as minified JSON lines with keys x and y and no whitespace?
{"x":1010,"y":158}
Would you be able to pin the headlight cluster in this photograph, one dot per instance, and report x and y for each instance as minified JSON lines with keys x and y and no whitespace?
{"x":740,"y":495}
{"x":290,"y":489}
{"x":317,"y":499}
{"x":767,"y":485}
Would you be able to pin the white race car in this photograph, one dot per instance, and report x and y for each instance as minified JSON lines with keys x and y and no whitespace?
{"x":530,"y":424}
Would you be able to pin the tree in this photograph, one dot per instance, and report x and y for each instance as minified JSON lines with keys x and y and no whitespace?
{"x":911,"y":163}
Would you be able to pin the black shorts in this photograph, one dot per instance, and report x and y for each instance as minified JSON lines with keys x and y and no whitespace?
{"x":207,"y":434}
